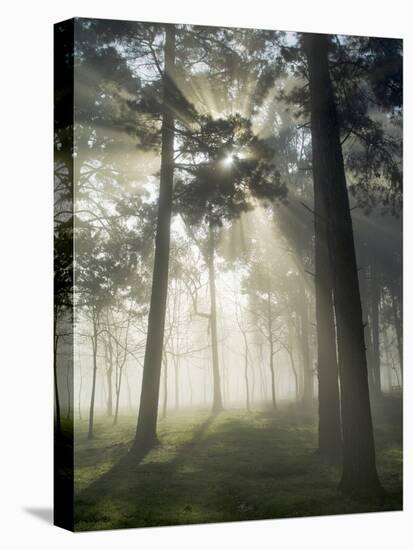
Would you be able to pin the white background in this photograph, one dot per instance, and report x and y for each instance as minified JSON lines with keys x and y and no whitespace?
{"x":26,"y":273}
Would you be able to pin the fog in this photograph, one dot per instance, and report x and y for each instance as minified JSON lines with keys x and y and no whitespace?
{"x":228,"y":240}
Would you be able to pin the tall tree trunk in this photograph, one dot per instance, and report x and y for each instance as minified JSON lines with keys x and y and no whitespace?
{"x":262,"y":374}
{"x":290,"y":351}
{"x":109,"y":373}
{"x":95,"y":368}
{"x":117,"y":396}
{"x":359,"y":477}
{"x":308,"y":386}
{"x":247,"y":387}
{"x":176,"y":370}
{"x":329,"y":421}
{"x":148,"y":408}
{"x":273,"y":396}
{"x":128,"y":391}
{"x":375,"y":309}
{"x":80,"y":395}
{"x":217,"y":399}
{"x":398,"y":315}
{"x":252,"y":384}
{"x":270,"y":335}
{"x":56,"y":387}
{"x":191,"y":391}
{"x":389,"y":364}
{"x":165,"y":385}
{"x":369,"y":352}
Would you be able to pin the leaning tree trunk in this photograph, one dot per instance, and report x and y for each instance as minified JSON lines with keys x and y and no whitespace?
{"x":329,"y":422}
{"x":217,"y":398}
{"x":359,"y":477}
{"x":148,"y":409}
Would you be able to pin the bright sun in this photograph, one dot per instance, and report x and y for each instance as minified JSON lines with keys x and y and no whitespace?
{"x":228,"y":160}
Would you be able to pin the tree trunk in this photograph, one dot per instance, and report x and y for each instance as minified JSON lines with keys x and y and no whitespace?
{"x":165,"y":385}
{"x":217,"y":399}
{"x":269,"y":313}
{"x":329,"y":421}
{"x":399,"y":332}
{"x":118,"y":388}
{"x":191,"y":391}
{"x":247,"y":387}
{"x":56,"y":387}
{"x":308,"y":385}
{"x":375,"y":305}
{"x":80,"y":397}
{"x":388,"y":362}
{"x":148,"y":408}
{"x":176,"y":370}
{"x":95,"y":368}
{"x":273,"y":397}
{"x":359,"y":477}
{"x":109,"y":373}
{"x":128,"y":391}
{"x":262,"y":374}
{"x":252,"y":385}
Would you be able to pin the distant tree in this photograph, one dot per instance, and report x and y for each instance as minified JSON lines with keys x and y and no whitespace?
{"x":266,"y":316}
{"x":224,"y":166}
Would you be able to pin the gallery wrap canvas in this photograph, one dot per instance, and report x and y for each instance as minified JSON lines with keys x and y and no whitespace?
{"x":228,"y":307}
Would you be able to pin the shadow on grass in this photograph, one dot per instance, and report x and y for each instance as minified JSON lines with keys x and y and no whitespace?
{"x":230,"y":467}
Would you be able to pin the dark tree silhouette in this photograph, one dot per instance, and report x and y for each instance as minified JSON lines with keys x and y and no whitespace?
{"x":359,"y":464}
{"x":148,"y":408}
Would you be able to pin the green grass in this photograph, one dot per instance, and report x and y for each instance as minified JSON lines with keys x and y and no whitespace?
{"x":232,"y":467}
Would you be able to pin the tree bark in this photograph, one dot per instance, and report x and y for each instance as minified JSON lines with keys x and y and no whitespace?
{"x":80,"y":396}
{"x":118,"y":388}
{"x":273,"y":395}
{"x":109,"y":373}
{"x":359,"y":477}
{"x":56,"y":387}
{"x":375,"y":310}
{"x":148,"y":409}
{"x":165,"y":385}
{"x":95,"y":368}
{"x":128,"y":391}
{"x":329,"y":421}
{"x":217,"y":405}
{"x":290,"y":352}
{"x":308,"y":385}
{"x":247,"y":387}
{"x":176,"y":370}
{"x":397,"y":315}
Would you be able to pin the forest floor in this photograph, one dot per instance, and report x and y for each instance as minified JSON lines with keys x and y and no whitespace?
{"x":231,"y":467}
